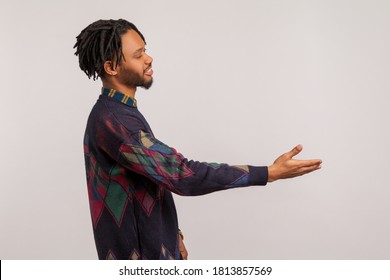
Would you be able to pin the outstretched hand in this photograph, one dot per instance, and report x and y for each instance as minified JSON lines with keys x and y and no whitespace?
{"x":286,"y":167}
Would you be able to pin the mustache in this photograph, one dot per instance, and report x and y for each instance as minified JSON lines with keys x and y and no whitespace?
{"x":148,"y":68}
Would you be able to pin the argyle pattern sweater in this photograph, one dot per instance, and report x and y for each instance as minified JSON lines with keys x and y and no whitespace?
{"x":131,"y":177}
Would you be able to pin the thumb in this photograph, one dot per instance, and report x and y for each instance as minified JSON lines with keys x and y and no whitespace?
{"x":295,"y":151}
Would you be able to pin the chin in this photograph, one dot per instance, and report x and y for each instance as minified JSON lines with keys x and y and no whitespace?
{"x":147,"y":84}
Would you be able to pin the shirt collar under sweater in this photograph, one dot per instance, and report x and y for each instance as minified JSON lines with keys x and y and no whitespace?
{"x":125,"y":99}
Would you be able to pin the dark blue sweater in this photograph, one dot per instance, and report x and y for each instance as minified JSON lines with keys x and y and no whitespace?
{"x":131,"y":176}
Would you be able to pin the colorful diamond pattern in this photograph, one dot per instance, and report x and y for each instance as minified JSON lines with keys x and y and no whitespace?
{"x":213,"y":165}
{"x":146,"y":194}
{"x":103,"y":192}
{"x":135,"y":255}
{"x":165,"y":254}
{"x":157,"y":160}
{"x":116,"y":200}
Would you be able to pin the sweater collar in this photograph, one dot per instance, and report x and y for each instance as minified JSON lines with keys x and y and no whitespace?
{"x":125,"y":99}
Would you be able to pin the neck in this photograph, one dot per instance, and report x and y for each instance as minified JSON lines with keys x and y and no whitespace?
{"x":129,"y":91}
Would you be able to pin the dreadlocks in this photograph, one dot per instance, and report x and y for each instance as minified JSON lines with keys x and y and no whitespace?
{"x":100,"y":42}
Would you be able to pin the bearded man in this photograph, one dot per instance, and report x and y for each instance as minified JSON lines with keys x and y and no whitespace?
{"x":131,"y":175}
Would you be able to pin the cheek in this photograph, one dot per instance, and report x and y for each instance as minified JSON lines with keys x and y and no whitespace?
{"x":129,"y":67}
{"x":135,"y":65}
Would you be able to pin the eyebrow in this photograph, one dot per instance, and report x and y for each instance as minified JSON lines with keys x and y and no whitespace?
{"x":139,"y":50}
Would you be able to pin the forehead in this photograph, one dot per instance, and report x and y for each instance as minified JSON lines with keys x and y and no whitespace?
{"x":131,"y":42}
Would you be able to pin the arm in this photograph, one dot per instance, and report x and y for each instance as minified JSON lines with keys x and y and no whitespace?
{"x":141,"y":153}
{"x":162,"y":164}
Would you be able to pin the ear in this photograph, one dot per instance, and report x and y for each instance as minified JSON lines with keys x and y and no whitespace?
{"x":109,"y":69}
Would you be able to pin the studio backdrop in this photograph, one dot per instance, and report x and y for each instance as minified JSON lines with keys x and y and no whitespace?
{"x":237,"y":82}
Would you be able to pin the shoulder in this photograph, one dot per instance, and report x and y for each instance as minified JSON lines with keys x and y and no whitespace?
{"x":127,"y":117}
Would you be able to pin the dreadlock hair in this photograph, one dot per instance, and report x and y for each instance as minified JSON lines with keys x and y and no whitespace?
{"x":99,"y":42}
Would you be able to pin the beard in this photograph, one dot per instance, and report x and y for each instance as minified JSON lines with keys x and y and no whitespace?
{"x":132,"y":79}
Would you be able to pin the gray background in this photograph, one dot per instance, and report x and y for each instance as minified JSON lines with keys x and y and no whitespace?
{"x":239,"y":82}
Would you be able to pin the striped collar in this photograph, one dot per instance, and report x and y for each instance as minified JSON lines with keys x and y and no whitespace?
{"x":125,"y":99}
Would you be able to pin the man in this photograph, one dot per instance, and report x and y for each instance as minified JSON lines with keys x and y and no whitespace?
{"x":130,"y":174}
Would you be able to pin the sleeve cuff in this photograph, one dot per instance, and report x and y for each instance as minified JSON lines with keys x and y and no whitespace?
{"x":258,"y":175}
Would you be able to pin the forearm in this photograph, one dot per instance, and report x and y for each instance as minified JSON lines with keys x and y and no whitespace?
{"x":209,"y":178}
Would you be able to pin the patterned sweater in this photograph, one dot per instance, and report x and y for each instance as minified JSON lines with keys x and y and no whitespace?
{"x":131,"y":176}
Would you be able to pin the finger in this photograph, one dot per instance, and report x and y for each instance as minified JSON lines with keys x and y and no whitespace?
{"x":294,"y":152}
{"x":306,"y":170}
{"x":308,"y":163}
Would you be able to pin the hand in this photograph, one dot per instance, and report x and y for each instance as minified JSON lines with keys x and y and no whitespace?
{"x":183,"y":250}
{"x":286,"y":167}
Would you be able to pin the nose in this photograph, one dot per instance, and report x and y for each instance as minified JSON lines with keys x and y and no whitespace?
{"x":149,"y":59}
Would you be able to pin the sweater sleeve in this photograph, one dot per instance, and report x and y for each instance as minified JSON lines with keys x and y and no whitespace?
{"x":162,"y":164}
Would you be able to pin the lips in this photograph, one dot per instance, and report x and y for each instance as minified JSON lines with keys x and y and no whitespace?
{"x":149,"y":71}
